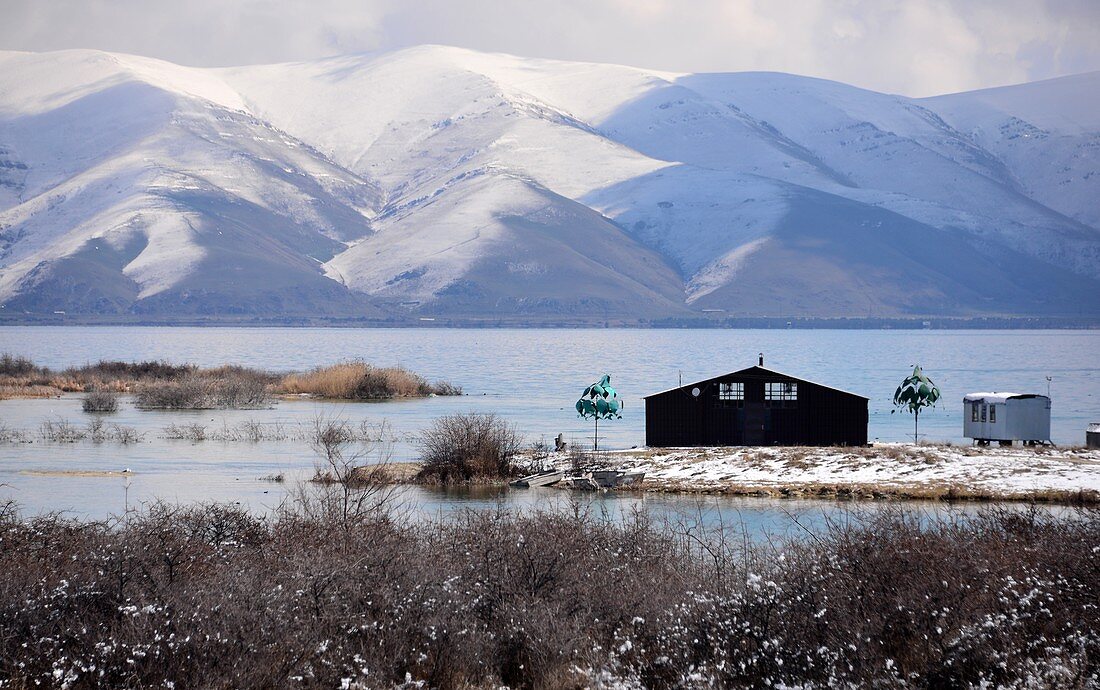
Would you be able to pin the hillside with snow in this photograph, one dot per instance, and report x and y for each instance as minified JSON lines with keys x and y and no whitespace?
{"x":441,"y":182}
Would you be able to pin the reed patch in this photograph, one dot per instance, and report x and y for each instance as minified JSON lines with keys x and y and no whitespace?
{"x":163,"y":385}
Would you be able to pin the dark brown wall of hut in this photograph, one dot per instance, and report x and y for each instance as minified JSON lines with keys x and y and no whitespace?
{"x":820,"y":415}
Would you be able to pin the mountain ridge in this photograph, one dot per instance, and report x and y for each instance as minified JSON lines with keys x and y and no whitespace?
{"x":443,"y":182}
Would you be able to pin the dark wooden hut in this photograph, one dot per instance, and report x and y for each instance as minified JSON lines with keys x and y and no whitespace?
{"x":755,"y":407}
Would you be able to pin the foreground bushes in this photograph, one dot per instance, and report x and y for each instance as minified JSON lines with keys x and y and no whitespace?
{"x":213,"y":597}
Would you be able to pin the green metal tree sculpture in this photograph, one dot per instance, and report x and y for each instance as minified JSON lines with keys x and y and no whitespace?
{"x":914,"y":394}
{"x":600,"y":401}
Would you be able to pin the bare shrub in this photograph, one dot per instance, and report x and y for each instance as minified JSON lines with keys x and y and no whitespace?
{"x":12,"y":435}
{"x":105,"y":371}
{"x":16,"y":365}
{"x":226,"y":387}
{"x":124,"y":434}
{"x":185,"y":432}
{"x":61,"y":431}
{"x":100,"y":401}
{"x":446,"y":388}
{"x":254,"y":431}
{"x":239,"y":387}
{"x":351,"y":470}
{"x":190,"y":393}
{"x":97,"y":430}
{"x":462,"y":447}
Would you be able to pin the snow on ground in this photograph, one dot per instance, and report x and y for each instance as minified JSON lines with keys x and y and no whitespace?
{"x":893,"y":468}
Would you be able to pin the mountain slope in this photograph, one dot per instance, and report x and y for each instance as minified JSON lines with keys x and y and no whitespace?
{"x":1047,"y":134}
{"x":128,"y":195}
{"x":437,"y":181}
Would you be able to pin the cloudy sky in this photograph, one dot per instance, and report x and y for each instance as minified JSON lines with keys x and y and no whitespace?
{"x":914,"y":47}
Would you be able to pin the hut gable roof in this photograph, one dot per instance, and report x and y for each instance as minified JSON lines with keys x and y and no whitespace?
{"x":753,"y":371}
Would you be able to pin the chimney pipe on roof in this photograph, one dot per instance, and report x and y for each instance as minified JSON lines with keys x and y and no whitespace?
{"x":761,"y":359}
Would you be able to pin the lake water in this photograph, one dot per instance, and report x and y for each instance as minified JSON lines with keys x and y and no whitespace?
{"x":531,"y":377}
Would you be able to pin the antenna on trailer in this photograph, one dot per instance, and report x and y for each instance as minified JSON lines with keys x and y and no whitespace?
{"x":1048,"y":386}
{"x":681,"y":378}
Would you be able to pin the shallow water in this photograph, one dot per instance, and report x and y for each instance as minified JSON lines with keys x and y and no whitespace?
{"x":531,"y":377}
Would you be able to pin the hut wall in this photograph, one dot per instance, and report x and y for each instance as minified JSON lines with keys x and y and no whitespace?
{"x":819,"y":416}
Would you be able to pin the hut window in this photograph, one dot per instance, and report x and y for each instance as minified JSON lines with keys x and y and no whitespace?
{"x":992,"y":414}
{"x":974,"y":412}
{"x":731,"y":391}
{"x":780,"y":390}
{"x":983,"y":411}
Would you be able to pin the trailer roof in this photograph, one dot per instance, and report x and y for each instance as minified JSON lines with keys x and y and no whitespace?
{"x":996,"y":397}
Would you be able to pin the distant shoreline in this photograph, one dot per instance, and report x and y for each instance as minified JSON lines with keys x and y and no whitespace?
{"x":703,"y":322}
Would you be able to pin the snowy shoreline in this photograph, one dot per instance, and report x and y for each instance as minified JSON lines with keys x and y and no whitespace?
{"x":884,"y":470}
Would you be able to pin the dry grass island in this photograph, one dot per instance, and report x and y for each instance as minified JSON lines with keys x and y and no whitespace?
{"x":163,"y":385}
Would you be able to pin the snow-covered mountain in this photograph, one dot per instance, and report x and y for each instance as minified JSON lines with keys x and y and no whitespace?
{"x":440,"y":181}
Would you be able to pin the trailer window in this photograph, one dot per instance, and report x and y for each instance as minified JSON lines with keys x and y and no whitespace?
{"x":731,"y":391}
{"x":974,"y":412}
{"x":992,"y":414}
{"x":983,"y":411}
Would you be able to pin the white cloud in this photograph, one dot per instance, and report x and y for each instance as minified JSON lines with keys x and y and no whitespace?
{"x":916,"y":48}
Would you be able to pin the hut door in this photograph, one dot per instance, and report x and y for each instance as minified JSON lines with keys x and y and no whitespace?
{"x":754,"y":424}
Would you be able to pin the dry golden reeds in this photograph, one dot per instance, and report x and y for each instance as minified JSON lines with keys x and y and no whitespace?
{"x":335,"y":381}
{"x":358,"y":380}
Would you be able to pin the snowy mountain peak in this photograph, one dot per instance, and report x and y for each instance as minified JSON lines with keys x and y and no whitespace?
{"x":444,"y":181}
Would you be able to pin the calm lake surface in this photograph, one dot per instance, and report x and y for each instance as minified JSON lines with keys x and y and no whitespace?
{"x":531,"y":377}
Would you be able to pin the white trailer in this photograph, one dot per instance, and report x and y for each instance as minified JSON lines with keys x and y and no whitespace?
{"x":1006,"y":417}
